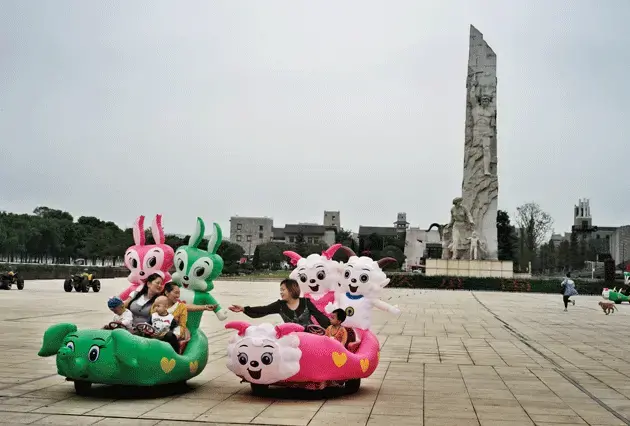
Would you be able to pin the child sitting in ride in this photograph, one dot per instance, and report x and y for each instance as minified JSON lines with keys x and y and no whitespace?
{"x":122,"y":315}
{"x":161,"y":319}
{"x":335,"y":330}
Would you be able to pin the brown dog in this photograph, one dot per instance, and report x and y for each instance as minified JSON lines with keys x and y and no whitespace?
{"x":608,"y":307}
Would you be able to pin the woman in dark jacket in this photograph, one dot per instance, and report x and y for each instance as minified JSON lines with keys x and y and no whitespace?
{"x":291,"y":307}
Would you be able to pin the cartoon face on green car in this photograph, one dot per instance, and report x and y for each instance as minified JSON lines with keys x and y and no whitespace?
{"x":196,"y":268}
{"x":89,"y":355}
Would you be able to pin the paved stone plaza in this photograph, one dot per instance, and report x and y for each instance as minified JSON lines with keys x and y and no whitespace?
{"x":451,"y":358}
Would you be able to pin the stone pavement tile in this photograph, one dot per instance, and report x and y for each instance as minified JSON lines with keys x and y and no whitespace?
{"x":128,"y":408}
{"x":289,"y":416}
{"x":452,"y":412}
{"x":387,"y":408}
{"x":501,"y":413}
{"x":58,"y":419}
{"x":444,"y":421}
{"x":127,"y":422}
{"x":378,"y":420}
{"x":335,"y":407}
{"x":548,"y":418}
{"x":181,"y":409}
{"x":20,"y":418}
{"x":347,"y":419}
{"x":236,"y":411}
{"x":508,"y":423}
{"x":23,"y":404}
{"x":74,"y":405}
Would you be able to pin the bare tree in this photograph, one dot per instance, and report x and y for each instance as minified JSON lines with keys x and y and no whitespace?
{"x":535,"y":225}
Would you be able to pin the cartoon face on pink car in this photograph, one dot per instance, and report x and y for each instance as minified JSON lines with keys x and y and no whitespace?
{"x":143,"y":260}
{"x":264,"y":354}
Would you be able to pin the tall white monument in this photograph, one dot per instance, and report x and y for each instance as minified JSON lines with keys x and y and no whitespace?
{"x":473,"y":225}
{"x":471,"y":234}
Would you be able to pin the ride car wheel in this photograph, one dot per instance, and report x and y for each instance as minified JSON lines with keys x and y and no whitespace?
{"x":82,"y":388}
{"x":85,"y":286}
{"x":67,"y":285}
{"x":352,"y":386}
{"x":259,"y":390}
{"x":96,"y":286}
{"x":20,"y":284}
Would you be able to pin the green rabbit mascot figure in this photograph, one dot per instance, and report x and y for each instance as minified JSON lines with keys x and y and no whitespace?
{"x":195,"y":270}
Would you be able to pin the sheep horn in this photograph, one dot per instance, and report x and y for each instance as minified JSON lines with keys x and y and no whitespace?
{"x":385,"y":261}
{"x":348,"y":251}
{"x":330,"y":252}
{"x":293,"y":256}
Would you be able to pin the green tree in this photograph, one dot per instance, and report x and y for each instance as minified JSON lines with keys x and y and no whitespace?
{"x":256,"y":259}
{"x":396,"y":253}
{"x":564,"y":256}
{"x":535,"y":226}
{"x":230,"y":252}
{"x":506,"y":236}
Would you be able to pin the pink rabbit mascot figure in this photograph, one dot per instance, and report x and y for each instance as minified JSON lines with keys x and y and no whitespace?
{"x":317,"y":275}
{"x":143,"y":260}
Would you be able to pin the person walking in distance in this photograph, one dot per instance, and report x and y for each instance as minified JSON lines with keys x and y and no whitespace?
{"x":568,"y":287}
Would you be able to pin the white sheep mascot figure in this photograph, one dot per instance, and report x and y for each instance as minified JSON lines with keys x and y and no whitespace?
{"x":359,"y":290}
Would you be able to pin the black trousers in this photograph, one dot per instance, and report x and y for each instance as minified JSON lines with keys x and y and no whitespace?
{"x":171,"y":338}
{"x":565,"y":299}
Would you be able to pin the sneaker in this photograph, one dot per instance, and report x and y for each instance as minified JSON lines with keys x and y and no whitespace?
{"x":565,"y":310}
{"x":573,"y":301}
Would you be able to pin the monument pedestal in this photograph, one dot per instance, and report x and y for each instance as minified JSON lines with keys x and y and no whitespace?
{"x":470,"y":268}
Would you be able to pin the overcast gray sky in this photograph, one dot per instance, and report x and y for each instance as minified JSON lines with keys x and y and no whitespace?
{"x":288,"y":108}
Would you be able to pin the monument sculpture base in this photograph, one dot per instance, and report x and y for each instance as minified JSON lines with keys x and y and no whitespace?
{"x":470,"y":268}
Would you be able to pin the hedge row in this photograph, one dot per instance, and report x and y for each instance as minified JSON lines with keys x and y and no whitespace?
{"x":532,"y":285}
{"x":30,"y":271}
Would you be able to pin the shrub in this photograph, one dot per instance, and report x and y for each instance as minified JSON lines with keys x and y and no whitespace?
{"x":53,"y":272}
{"x":533,"y":285}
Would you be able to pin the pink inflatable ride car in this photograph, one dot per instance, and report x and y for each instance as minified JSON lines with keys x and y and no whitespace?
{"x":285,"y":355}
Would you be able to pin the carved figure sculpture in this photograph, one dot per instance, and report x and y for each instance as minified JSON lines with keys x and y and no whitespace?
{"x":474,"y":246}
{"x":484,"y":121}
{"x":461,"y":221}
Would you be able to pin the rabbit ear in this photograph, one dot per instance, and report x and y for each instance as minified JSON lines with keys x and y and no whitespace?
{"x":157,"y":231}
{"x":138,"y":231}
{"x":197,"y":236}
{"x":215,"y":239}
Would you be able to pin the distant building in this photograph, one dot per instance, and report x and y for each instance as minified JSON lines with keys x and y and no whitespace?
{"x":620,"y":245}
{"x":332,"y":219}
{"x":418,"y":243}
{"x":597,"y":236}
{"x":311,"y":233}
{"x":249,"y":232}
{"x":399,"y":228}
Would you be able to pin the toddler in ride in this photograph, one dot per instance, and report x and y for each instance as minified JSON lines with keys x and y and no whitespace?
{"x":335,"y":330}
{"x":162,"y":320}
{"x":122,"y":315}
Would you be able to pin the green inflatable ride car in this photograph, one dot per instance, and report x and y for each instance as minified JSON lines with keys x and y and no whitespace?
{"x":614,"y":296}
{"x":118,"y":357}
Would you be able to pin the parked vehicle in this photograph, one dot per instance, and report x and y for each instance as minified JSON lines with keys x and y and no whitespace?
{"x":7,"y":279}
{"x":82,"y":283}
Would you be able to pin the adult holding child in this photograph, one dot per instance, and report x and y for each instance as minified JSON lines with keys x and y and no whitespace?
{"x":180,"y":310}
